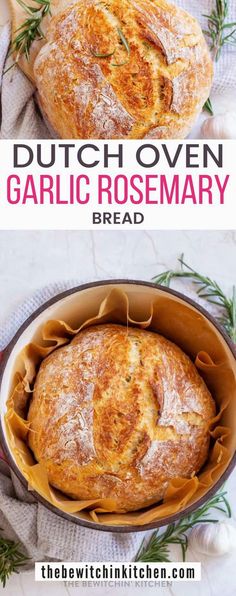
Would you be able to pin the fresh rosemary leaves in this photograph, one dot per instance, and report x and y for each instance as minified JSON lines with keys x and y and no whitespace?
{"x":207,"y":289}
{"x":219,"y":31}
{"x":157,"y":547}
{"x":124,"y":42}
{"x":30,"y":30}
{"x":11,"y":559}
{"x":208,"y":107}
{"x":126,"y":46}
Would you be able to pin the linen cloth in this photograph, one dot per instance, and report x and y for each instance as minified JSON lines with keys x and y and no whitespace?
{"x":20,"y":117}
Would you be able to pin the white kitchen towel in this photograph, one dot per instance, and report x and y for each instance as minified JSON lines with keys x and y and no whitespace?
{"x":20,"y":116}
{"x":44,"y":534}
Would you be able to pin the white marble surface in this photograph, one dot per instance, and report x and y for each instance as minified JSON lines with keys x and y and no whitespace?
{"x":29,"y":260}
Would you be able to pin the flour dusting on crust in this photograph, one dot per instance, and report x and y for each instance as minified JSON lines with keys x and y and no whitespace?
{"x":119,"y":412}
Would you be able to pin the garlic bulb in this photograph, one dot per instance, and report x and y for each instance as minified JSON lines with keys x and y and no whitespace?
{"x":213,"y":539}
{"x":221,"y":126}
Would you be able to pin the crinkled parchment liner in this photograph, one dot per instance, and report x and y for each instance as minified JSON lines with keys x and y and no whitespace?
{"x":187,"y":328}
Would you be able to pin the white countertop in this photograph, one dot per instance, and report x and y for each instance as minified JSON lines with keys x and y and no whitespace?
{"x":29,"y":260}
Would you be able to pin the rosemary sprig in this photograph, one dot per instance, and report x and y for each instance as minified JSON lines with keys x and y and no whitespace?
{"x":208,"y":107}
{"x":219,"y":31}
{"x":207,"y":289}
{"x":11,"y":559}
{"x":100,"y":55}
{"x":157,"y":547}
{"x":125,"y":44}
{"x":30,"y":30}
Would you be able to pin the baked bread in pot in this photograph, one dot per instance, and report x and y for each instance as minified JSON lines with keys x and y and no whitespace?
{"x":119,"y":412}
{"x":123,"y":69}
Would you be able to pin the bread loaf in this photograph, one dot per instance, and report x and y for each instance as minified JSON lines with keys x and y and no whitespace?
{"x":123,"y":69}
{"x":118,"y":413}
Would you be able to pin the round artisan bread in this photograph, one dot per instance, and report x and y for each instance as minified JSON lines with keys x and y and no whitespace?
{"x":118,"y":413}
{"x":123,"y":69}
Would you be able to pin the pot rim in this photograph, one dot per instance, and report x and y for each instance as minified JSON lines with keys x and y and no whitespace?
{"x":10,"y":460}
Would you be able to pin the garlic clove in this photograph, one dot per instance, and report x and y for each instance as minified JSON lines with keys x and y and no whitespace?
{"x":221,"y":126}
{"x":213,"y":539}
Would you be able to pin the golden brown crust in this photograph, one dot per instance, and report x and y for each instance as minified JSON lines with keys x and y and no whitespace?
{"x":118,"y":413}
{"x":155,"y":88}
